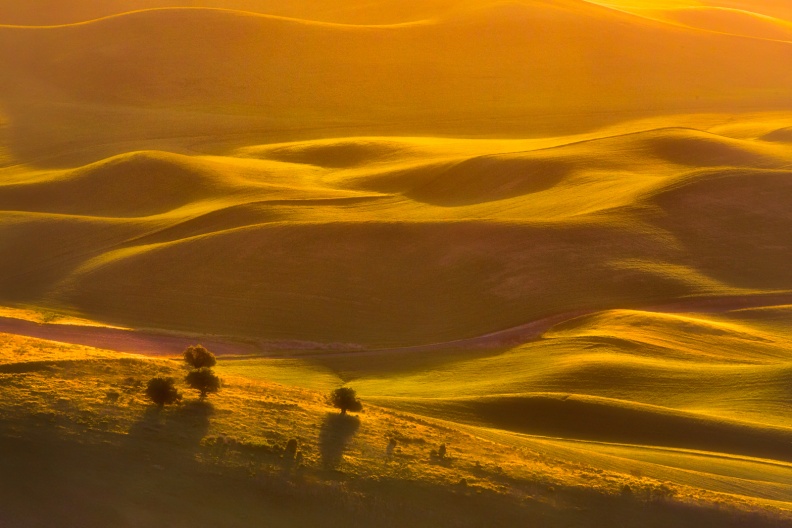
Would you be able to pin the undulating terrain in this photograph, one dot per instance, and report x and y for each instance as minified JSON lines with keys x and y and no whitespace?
{"x":554,"y":235}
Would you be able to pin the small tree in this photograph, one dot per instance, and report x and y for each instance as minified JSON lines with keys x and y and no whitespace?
{"x":198,"y":357}
{"x":203,"y":380}
{"x":345,"y":398}
{"x":162,"y":391}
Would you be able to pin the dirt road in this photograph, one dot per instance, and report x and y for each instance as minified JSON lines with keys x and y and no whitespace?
{"x":163,"y":344}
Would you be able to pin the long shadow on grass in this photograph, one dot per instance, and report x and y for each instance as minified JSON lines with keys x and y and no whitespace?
{"x":48,"y":479}
{"x":336,"y":432}
{"x":181,"y":426}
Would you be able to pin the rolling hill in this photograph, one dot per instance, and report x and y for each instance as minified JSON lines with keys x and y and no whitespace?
{"x":553,"y":234}
{"x":282,"y":244}
{"x":518,"y":69}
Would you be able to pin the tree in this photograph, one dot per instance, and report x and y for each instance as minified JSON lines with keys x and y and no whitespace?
{"x":198,"y":357}
{"x":203,"y":380}
{"x":345,"y":398}
{"x":162,"y":391}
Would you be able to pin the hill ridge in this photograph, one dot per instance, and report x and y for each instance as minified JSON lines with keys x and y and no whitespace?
{"x":198,"y":10}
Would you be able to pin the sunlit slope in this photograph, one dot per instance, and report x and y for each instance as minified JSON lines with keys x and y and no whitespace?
{"x":779,"y":9}
{"x":77,"y":417}
{"x":736,"y":475}
{"x":398,"y":241}
{"x":253,"y":411}
{"x":685,"y":381}
{"x":137,"y":184}
{"x":480,"y":71}
{"x":681,"y":397}
{"x":728,"y":21}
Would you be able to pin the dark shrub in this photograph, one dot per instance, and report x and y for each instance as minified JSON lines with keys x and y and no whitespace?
{"x":113,"y":396}
{"x":345,"y":399}
{"x":203,"y":380}
{"x":198,"y":357}
{"x":162,"y":391}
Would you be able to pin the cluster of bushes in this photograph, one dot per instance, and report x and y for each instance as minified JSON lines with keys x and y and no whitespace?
{"x":162,"y":390}
{"x":201,"y":376}
{"x":200,"y":361}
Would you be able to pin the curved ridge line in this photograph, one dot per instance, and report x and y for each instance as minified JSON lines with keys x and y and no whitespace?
{"x":237,"y":12}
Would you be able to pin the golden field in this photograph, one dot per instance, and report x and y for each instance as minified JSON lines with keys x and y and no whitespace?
{"x":551,"y":234}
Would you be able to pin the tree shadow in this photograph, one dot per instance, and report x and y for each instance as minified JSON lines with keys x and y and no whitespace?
{"x":335,"y":433}
{"x":178,"y":426}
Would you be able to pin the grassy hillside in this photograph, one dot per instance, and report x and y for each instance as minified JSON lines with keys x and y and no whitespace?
{"x":694,"y":398}
{"x":82,"y":411}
